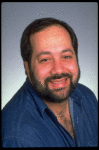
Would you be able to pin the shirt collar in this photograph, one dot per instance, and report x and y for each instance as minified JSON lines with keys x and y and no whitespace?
{"x":76,"y":95}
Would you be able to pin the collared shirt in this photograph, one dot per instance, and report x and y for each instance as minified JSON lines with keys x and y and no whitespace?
{"x":28,"y":122}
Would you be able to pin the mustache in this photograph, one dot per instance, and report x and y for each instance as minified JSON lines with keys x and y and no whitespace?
{"x":58,"y":76}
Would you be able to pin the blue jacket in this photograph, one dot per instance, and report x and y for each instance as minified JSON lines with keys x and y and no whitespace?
{"x":28,"y":122}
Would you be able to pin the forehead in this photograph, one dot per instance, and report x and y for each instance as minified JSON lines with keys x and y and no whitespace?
{"x":52,"y":37}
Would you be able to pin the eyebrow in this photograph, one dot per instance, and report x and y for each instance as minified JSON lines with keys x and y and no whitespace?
{"x":49,"y":53}
{"x":43,"y":53}
{"x":67,"y":50}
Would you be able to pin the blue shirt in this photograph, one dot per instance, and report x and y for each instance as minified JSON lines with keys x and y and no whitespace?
{"x":28,"y":122}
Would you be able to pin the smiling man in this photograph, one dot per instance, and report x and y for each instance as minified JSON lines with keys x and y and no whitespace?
{"x":51,"y":109}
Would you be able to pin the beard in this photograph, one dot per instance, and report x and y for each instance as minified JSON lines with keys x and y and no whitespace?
{"x":53,"y":95}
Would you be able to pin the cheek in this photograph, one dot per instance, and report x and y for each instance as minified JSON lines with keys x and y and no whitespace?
{"x":73,"y":68}
{"x":41,"y":73}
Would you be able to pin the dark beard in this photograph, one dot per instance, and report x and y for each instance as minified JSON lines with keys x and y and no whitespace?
{"x":48,"y":95}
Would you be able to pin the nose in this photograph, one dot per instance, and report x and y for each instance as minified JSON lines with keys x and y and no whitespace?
{"x":57,"y":67}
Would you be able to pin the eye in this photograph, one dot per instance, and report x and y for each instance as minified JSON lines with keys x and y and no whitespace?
{"x":67,"y":57}
{"x":44,"y":60}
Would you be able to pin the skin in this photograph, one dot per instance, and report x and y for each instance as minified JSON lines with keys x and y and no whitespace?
{"x":53,"y":54}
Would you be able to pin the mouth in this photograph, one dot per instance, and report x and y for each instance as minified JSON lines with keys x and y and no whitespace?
{"x":59,"y":83}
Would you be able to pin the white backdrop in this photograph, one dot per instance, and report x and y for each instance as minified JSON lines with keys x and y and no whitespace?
{"x":81,"y":16}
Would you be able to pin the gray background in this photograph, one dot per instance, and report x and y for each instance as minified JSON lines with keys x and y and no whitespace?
{"x":82,"y":17}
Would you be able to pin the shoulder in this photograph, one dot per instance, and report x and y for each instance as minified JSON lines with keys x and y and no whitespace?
{"x":83,"y":90}
{"x":15,"y":104}
{"x":19,"y":100}
{"x":18,"y":121}
{"x":13,"y":112}
{"x":85,"y":94}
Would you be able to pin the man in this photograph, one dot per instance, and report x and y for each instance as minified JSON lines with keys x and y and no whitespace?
{"x":51,"y":109}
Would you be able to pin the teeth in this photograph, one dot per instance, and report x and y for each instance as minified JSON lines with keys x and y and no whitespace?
{"x":58,"y":82}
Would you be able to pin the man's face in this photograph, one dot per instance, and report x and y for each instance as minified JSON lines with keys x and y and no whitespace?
{"x":54,"y":70}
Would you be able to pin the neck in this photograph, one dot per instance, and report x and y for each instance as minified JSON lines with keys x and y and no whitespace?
{"x":59,"y":109}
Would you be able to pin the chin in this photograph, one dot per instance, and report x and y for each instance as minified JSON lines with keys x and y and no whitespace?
{"x":56,"y":96}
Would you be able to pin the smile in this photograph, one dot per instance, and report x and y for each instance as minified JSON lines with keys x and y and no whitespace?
{"x":59,"y":83}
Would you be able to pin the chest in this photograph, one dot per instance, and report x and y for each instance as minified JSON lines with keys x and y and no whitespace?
{"x":67,"y":124}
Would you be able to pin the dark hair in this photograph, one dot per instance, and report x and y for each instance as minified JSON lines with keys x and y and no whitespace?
{"x":38,"y":25}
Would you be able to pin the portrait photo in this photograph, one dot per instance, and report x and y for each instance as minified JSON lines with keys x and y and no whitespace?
{"x":49,"y":91}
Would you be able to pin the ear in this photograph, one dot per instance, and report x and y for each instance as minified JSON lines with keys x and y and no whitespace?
{"x":26,"y":67}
